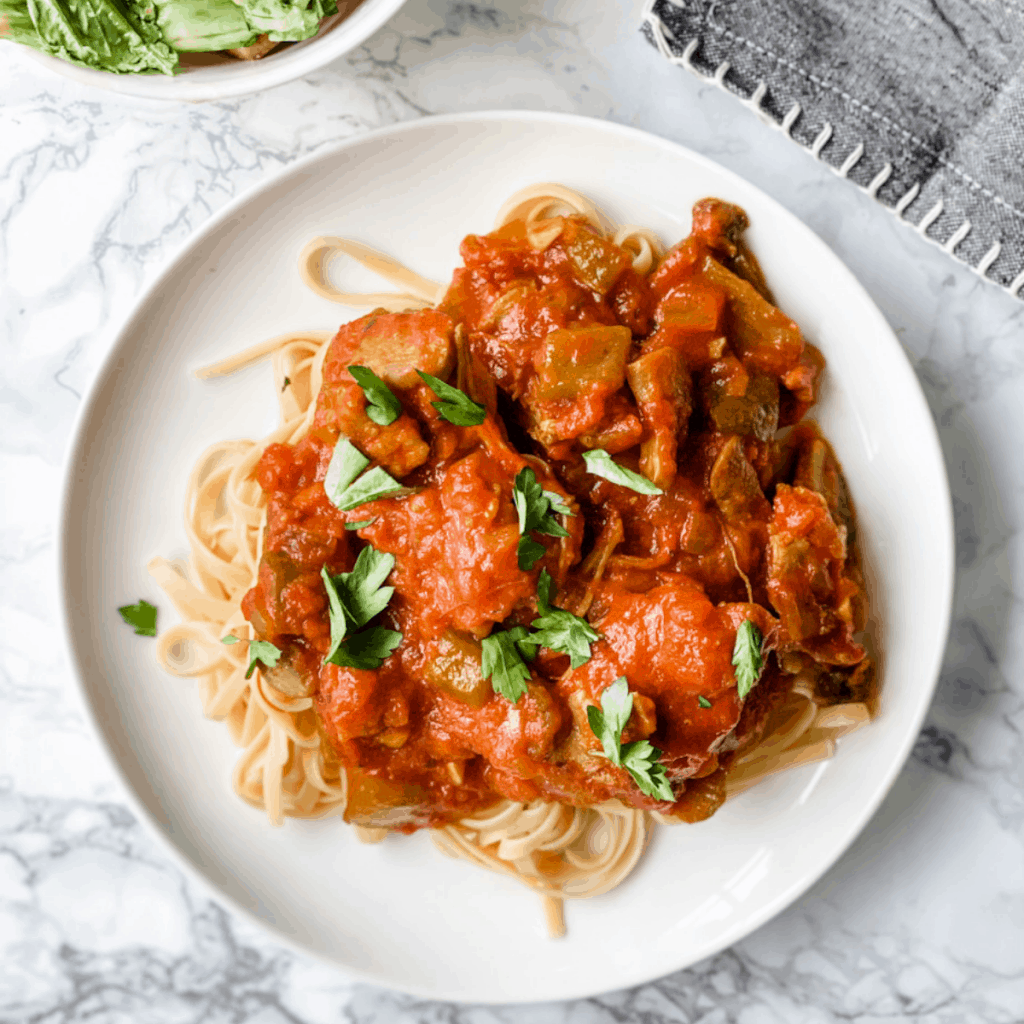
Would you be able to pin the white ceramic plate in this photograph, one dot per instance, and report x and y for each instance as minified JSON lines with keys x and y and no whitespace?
{"x":215,"y":77}
{"x":400,"y":914}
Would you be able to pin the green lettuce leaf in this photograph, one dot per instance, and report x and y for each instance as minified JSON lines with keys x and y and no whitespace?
{"x":143,"y":36}
{"x":108,"y":35}
{"x":286,"y":21}
{"x":199,"y":26}
{"x":17,"y":26}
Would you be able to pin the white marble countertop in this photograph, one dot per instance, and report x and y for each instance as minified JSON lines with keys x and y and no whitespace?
{"x":922,"y":920}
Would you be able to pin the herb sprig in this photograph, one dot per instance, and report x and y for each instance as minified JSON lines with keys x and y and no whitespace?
{"x":537,"y":510}
{"x":354,"y":598}
{"x":747,"y":657}
{"x":141,"y":616}
{"x":601,"y":464}
{"x":361,"y":524}
{"x":558,"y":629}
{"x":261,"y":652}
{"x":455,"y":406}
{"x":382,"y":405}
{"x":639,"y":758}
{"x":347,"y":486}
{"x":504,"y":657}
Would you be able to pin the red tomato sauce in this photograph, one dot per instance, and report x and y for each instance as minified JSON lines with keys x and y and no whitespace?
{"x":685,"y":376}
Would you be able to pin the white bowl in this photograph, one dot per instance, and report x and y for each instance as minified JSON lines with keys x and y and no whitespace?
{"x":216,"y":77}
{"x":400,"y":914}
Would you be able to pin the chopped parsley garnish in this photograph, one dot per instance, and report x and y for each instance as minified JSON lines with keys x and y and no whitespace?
{"x":639,"y":758}
{"x":382,"y":406}
{"x":344,"y":485}
{"x":747,"y":658}
{"x":455,"y":406}
{"x":362,"y":591}
{"x":560,"y":630}
{"x":354,"y":598}
{"x":260,"y":651}
{"x":703,"y":701}
{"x":264,"y":652}
{"x":368,"y":649}
{"x":359,"y":524}
{"x":529,"y":552}
{"x":503,"y":661}
{"x":537,"y":510}
{"x":287,"y":383}
{"x":346,"y":464}
{"x":545,"y":591}
{"x":537,"y":507}
{"x":141,"y":616}
{"x":600,"y":463}
{"x":608,"y":721}
{"x":377,"y":483}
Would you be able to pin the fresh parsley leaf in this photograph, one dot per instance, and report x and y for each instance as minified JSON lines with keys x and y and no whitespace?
{"x":366,"y":650}
{"x":566,"y":633}
{"x":264,"y":652}
{"x":336,"y":612}
{"x":561,"y":630}
{"x":528,"y":496}
{"x":524,"y":643}
{"x":703,"y":701}
{"x":361,"y":591}
{"x":608,"y":721}
{"x":287,"y":383}
{"x":557,"y":503}
{"x":359,"y":524}
{"x":346,"y":464}
{"x":746,"y":657}
{"x":600,"y":463}
{"x":536,"y":507}
{"x":455,"y":406}
{"x":141,"y":616}
{"x":354,"y":598}
{"x":344,"y":485}
{"x":639,"y":758}
{"x":528,"y":552}
{"x":502,"y":662}
{"x":377,"y":483}
{"x":382,"y":406}
{"x":545,"y":592}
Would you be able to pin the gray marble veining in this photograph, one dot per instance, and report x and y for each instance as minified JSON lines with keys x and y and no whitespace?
{"x":922,"y":920}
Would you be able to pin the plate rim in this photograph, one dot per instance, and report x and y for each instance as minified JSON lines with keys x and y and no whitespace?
{"x":77,"y":440}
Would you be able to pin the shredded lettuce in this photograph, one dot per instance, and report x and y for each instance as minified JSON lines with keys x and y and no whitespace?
{"x":145,"y":36}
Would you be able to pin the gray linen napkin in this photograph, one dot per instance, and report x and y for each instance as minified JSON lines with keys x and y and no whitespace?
{"x":919,"y":102}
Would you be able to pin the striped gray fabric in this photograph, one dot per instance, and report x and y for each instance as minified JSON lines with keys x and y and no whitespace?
{"x":919,"y":102}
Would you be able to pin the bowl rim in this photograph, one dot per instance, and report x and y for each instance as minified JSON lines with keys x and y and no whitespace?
{"x":242,"y":78}
{"x":78,"y":441}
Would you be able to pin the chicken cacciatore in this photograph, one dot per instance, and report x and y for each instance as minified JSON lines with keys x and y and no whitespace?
{"x":656,"y":423}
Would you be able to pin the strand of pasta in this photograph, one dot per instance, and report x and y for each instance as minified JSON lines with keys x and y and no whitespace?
{"x":318,"y":254}
{"x":282,"y":767}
